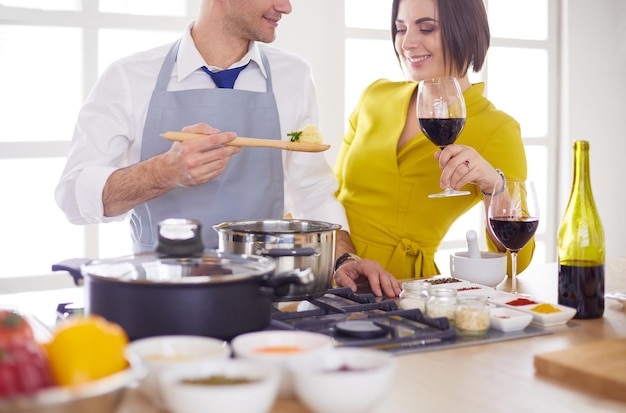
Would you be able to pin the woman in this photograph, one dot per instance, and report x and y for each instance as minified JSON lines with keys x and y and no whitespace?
{"x":386,"y":167}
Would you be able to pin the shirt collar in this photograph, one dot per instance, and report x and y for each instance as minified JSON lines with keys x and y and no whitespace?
{"x":189,"y":59}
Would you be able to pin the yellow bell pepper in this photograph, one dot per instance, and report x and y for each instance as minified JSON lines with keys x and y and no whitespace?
{"x":85,"y":349}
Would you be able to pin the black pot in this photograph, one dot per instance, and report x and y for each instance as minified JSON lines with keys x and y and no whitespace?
{"x":180,"y":290}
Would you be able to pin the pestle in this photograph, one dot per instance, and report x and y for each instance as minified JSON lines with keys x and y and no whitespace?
{"x":472,"y":244}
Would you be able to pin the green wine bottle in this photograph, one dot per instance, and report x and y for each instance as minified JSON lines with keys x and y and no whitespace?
{"x":581,"y":245}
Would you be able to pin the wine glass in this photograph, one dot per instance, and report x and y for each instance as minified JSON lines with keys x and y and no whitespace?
{"x":513,"y":217}
{"x":441,"y":116}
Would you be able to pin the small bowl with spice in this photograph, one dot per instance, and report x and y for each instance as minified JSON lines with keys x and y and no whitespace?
{"x":344,"y":380}
{"x":505,"y":319}
{"x":278,"y":348}
{"x":231,"y":386}
{"x":160,"y":352}
{"x":543,"y":314}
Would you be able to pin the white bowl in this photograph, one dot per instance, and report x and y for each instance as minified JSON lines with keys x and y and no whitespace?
{"x":345,"y":380}
{"x":161,"y":352}
{"x":489,"y":269}
{"x":506,"y":319}
{"x":295,"y":345}
{"x":255,"y":396}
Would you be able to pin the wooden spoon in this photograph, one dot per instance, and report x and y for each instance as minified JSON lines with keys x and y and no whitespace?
{"x":241,"y":141}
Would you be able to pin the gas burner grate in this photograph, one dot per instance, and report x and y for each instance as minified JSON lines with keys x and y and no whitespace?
{"x":363,"y":320}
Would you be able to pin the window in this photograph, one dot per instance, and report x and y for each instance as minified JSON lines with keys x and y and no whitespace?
{"x":52,"y":51}
{"x":522,"y":31}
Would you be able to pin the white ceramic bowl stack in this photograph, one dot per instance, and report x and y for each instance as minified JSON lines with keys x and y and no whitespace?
{"x":162,"y":352}
{"x":257,"y":395}
{"x":310,"y":346}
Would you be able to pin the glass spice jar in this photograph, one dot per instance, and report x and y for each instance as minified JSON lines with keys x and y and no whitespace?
{"x":472,"y":315}
{"x":414,"y":294}
{"x":441,"y":303}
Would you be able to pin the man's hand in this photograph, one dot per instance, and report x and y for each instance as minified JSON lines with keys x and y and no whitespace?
{"x":380,"y":281}
{"x":184,"y":164}
{"x":199,"y":160}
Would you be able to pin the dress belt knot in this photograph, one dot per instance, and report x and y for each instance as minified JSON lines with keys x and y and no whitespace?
{"x":410,"y":259}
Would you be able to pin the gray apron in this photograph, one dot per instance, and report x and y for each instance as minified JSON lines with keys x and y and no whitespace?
{"x":251,"y":185}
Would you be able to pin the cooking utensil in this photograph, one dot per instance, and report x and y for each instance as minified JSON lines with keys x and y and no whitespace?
{"x":292,"y":243}
{"x":184,"y":290}
{"x":242,"y":141}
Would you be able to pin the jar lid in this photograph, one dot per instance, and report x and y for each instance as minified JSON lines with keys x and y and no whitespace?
{"x":442,"y":292}
{"x":417,"y":284}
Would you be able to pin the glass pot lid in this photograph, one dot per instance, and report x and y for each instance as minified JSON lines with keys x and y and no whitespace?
{"x":211,"y":267}
{"x":180,"y":257}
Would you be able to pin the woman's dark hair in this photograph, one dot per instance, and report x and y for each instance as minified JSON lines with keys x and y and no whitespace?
{"x":465,"y":33}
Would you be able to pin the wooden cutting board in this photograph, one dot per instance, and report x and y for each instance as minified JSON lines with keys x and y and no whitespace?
{"x":597,"y":367}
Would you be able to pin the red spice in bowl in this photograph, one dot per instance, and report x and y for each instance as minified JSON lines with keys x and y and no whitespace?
{"x":521,"y":301}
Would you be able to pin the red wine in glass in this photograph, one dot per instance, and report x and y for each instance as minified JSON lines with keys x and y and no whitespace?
{"x":442,"y":132}
{"x":513,"y":232}
{"x":441,"y":116}
{"x":513,"y":217}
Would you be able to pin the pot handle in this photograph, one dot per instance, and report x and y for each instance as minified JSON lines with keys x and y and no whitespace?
{"x":280,"y":283}
{"x":73,"y":267}
{"x":289,"y":252}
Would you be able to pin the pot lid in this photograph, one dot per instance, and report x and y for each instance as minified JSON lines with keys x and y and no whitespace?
{"x":180,"y":257}
{"x":210,"y":267}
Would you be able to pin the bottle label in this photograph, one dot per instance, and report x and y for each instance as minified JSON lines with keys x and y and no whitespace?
{"x":582,"y":287}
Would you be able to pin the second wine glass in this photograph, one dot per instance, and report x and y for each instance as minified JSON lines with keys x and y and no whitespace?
{"x":513,"y":216}
{"x":441,"y":116}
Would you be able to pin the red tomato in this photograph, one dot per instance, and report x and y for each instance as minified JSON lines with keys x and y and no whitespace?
{"x":24,"y":366}
{"x":24,"y":369}
{"x":14,"y":329}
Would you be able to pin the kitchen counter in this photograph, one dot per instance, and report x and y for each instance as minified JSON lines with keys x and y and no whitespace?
{"x":496,"y":377}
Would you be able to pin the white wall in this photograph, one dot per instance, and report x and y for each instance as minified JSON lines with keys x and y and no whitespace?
{"x":315,"y":31}
{"x":595,"y":61}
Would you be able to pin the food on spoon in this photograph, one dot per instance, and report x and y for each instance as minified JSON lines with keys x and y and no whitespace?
{"x":84,"y":349}
{"x":24,"y":366}
{"x":308,"y":134}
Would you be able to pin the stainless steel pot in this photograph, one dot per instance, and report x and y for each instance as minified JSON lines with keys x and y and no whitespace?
{"x":292,"y":243}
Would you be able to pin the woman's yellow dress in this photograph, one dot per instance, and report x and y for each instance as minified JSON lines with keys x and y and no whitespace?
{"x":385,"y":189}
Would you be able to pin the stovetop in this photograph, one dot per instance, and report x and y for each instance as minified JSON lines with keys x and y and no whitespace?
{"x":364,"y":320}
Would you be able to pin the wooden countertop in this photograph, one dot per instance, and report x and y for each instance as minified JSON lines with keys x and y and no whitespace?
{"x":497,"y":377}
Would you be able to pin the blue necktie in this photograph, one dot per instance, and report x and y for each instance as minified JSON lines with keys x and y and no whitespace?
{"x":225,"y":78}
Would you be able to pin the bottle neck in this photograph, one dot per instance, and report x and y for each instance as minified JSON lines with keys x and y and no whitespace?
{"x":582,"y":181}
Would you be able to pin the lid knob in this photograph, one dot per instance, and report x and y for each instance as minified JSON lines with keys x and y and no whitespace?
{"x":179,"y":237}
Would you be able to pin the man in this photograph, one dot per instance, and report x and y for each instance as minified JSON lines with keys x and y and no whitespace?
{"x":119,"y":166}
